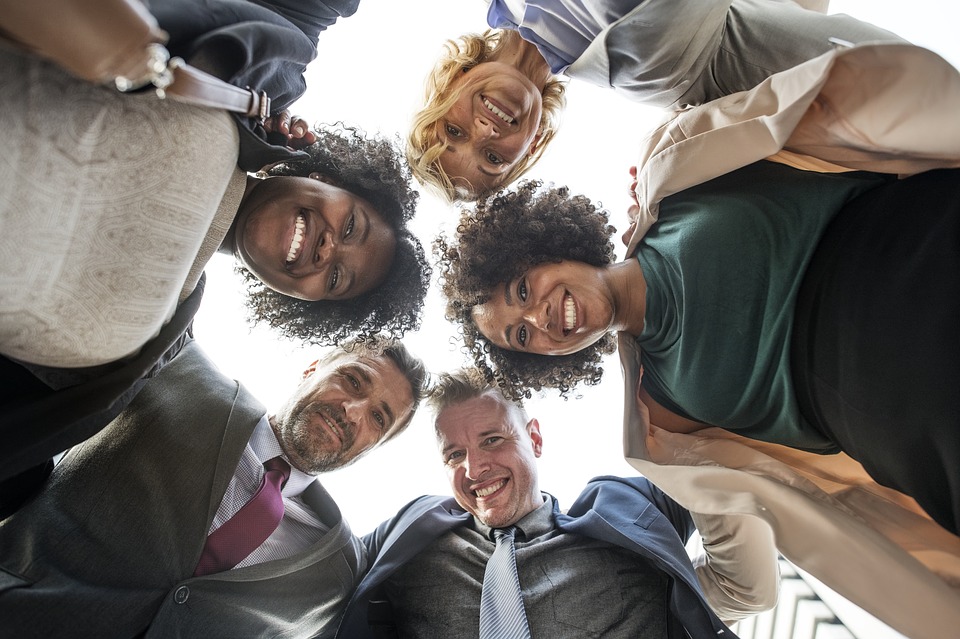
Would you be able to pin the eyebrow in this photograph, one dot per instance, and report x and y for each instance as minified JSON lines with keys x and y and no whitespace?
{"x":362,"y":372}
{"x":480,"y":168}
{"x":509,"y":302}
{"x":361,"y":216}
{"x":487,"y":433}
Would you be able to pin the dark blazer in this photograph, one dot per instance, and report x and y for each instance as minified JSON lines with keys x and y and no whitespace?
{"x":261,"y":44}
{"x":109,"y":547}
{"x":630,"y":513}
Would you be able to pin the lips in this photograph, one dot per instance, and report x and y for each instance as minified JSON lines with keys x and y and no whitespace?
{"x":498,"y":110}
{"x":332,"y":423}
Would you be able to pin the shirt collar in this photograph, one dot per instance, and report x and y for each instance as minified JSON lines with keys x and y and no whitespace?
{"x":533,"y":524}
{"x":264,"y":444}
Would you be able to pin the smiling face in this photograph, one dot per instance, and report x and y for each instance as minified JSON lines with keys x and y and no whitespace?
{"x":552,"y":309}
{"x":344,"y":406}
{"x":490,"y":457}
{"x":491,"y":126}
{"x":311,"y":240}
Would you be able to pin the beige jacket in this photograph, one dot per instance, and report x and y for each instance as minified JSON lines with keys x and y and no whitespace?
{"x":865,"y":108}
{"x":870,"y":107}
{"x":871,"y":544}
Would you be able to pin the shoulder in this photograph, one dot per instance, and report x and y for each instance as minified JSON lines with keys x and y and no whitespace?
{"x":607,"y":489}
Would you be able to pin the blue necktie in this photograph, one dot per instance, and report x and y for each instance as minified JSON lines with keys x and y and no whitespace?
{"x":501,"y":606}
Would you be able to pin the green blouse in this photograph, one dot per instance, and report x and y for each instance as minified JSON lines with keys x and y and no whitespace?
{"x":723,"y":266}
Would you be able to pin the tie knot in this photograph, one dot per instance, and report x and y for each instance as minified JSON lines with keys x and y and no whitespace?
{"x":278,"y":465}
{"x":504,"y":533}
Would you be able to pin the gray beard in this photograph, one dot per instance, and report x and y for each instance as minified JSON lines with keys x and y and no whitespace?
{"x":298,"y":435}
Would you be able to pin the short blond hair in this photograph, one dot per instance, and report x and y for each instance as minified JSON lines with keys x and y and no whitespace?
{"x":427,"y":140}
{"x":457,"y":387}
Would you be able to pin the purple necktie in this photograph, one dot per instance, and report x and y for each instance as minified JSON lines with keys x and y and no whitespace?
{"x":250,"y":526}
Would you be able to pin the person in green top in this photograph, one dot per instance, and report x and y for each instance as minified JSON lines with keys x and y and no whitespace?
{"x":765,"y":301}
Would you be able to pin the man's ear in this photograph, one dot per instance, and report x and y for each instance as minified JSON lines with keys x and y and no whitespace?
{"x":311,"y":369}
{"x":326,"y":179}
{"x":533,"y":429}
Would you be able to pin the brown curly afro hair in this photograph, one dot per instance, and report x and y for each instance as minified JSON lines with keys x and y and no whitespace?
{"x":506,"y":235}
{"x":373,"y":168}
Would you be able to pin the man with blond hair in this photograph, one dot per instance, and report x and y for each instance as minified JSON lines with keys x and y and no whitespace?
{"x":613,"y":565}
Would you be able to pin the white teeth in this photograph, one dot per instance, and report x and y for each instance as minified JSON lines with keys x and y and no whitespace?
{"x":483,"y":492}
{"x":496,"y":111}
{"x":569,"y":313}
{"x":297,"y":238}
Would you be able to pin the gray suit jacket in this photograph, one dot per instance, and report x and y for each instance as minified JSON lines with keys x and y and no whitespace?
{"x":109,"y":547}
{"x":669,"y":53}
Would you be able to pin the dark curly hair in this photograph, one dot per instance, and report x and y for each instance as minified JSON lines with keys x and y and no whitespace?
{"x":506,"y":235}
{"x":371,"y":167}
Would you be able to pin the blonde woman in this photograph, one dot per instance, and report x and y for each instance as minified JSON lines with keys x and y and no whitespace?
{"x":467,"y":143}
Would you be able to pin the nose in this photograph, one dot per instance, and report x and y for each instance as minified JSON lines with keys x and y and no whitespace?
{"x":354,"y":410}
{"x":475,"y":465}
{"x":484,"y":129}
{"x":325,"y":248}
{"x":538,"y":315}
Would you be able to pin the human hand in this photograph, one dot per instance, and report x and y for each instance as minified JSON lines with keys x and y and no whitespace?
{"x":634,"y":210}
{"x":297,"y":131}
{"x":642,"y":408}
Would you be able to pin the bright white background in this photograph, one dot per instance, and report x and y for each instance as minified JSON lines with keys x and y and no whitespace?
{"x":369,"y":73}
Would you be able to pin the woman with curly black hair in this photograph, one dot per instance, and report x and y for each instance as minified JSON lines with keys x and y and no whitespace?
{"x":342,"y":302}
{"x":750,"y":293}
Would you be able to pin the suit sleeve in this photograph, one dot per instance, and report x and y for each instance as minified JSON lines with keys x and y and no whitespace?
{"x":738,"y":570}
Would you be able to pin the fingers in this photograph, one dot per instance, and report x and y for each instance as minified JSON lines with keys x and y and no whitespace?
{"x":625,"y":238}
{"x":296,"y":129}
{"x":300,"y":130}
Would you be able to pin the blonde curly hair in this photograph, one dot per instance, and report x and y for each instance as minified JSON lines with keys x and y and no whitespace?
{"x":427,"y":139}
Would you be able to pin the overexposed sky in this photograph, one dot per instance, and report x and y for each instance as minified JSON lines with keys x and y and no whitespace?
{"x":370,"y":73}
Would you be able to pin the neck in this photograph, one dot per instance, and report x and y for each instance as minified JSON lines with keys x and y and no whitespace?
{"x":526,"y":58}
{"x":629,"y":290}
{"x":229,"y":244}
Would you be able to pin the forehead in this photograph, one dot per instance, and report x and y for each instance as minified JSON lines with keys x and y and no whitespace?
{"x":385,"y":377}
{"x":487,"y":413}
{"x":492,"y":316}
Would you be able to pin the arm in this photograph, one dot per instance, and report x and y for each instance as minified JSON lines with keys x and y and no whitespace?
{"x":738,"y":570}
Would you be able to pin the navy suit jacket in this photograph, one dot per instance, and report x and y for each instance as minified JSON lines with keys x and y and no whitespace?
{"x":630,"y":513}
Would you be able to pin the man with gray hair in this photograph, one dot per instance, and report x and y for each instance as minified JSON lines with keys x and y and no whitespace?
{"x":194,"y":513}
{"x":501,"y":557}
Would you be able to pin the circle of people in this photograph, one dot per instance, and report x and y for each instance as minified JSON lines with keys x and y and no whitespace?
{"x":786,"y":318}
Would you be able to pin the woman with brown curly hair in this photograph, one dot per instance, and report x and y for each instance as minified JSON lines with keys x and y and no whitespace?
{"x":750,"y":293}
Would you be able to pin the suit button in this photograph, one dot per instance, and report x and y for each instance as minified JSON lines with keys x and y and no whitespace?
{"x":181,"y":595}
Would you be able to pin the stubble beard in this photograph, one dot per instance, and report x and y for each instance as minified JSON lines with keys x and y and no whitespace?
{"x":306,"y":435}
